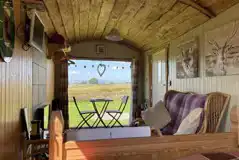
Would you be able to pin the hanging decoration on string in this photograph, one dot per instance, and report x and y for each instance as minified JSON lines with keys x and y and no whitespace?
{"x":101,"y":69}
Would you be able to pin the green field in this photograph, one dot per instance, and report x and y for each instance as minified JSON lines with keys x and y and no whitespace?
{"x":84,"y":92}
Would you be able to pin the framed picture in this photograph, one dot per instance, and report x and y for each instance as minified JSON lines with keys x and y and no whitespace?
{"x":222,"y":50}
{"x":100,"y":49}
{"x":187,"y":60}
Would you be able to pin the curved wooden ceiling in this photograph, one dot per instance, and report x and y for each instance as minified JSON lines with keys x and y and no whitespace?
{"x":145,"y":24}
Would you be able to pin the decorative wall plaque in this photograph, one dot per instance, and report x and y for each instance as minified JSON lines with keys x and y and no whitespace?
{"x":7,"y":30}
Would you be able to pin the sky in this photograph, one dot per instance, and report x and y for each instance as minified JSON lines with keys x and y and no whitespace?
{"x":116,"y":71}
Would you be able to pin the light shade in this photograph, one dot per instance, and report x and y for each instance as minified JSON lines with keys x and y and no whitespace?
{"x":114,"y":35}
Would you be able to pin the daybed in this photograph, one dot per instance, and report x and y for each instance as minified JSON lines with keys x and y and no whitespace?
{"x":149,"y":148}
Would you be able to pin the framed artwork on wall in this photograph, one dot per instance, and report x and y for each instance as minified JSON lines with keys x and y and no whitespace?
{"x":100,"y":49}
{"x":222,"y":50}
{"x":187,"y":60}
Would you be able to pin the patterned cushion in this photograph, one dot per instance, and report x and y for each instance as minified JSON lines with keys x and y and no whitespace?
{"x":213,"y":156}
{"x":179,"y":105}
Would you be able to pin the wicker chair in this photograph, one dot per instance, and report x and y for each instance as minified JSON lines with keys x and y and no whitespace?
{"x":215,"y":107}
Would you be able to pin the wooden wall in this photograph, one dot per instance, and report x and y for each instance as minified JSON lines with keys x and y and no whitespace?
{"x":87,"y":49}
{"x":49,"y":81}
{"x":39,"y":77}
{"x":203,"y":84}
{"x":15,"y":93}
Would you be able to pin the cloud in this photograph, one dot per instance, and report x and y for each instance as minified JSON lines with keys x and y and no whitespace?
{"x":74,"y":72}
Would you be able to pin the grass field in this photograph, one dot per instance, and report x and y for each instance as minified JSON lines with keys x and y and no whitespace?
{"x":84,"y":92}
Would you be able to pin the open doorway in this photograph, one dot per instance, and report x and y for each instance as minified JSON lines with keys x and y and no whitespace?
{"x":159,"y":76}
{"x":99,"y":79}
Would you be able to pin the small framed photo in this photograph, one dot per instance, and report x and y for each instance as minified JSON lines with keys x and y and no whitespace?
{"x":100,"y":49}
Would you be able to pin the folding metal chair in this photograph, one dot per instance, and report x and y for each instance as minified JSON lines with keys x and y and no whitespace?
{"x":85,"y":115}
{"x":117,"y":113}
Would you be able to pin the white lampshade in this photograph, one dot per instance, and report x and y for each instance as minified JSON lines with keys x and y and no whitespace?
{"x":114,"y":35}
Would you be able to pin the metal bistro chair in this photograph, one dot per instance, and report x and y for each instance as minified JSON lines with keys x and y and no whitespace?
{"x":85,"y":115}
{"x":118,"y":113}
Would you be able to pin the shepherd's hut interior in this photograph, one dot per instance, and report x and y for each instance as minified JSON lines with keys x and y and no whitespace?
{"x":119,"y":79}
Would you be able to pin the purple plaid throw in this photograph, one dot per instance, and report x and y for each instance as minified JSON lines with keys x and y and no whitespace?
{"x":179,"y":106}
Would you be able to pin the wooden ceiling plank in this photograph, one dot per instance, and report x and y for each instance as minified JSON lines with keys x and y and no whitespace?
{"x":103,"y":18}
{"x":94,"y":13}
{"x":203,"y":10}
{"x":131,"y":10}
{"x":155,"y":12}
{"x":177,"y":31}
{"x":180,"y":18}
{"x":155,"y":26}
{"x":49,"y":28}
{"x":84,"y":18}
{"x":66,"y":11}
{"x":119,"y":7}
{"x":139,"y":19}
{"x":54,"y":13}
{"x":76,"y":17}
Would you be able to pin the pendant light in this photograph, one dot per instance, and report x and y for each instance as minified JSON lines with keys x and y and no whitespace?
{"x":114,"y":35}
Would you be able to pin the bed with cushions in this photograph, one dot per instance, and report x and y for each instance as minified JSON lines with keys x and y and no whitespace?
{"x":180,"y":147}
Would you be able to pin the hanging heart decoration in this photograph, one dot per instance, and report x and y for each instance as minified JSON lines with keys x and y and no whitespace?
{"x":101,"y":69}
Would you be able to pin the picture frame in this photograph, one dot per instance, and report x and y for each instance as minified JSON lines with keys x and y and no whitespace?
{"x":187,"y":60}
{"x":222,"y":50}
{"x":100,"y":49}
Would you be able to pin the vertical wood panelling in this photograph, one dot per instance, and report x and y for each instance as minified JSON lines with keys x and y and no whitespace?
{"x":15,"y":93}
{"x":50,"y":81}
{"x":203,"y":84}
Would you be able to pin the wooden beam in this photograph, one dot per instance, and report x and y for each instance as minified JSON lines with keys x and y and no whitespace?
{"x":66,"y":13}
{"x":203,"y":10}
{"x":54,"y":14}
{"x":103,"y":18}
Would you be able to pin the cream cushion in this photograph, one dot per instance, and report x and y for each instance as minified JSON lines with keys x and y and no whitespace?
{"x":190,"y":123}
{"x":156,"y":117}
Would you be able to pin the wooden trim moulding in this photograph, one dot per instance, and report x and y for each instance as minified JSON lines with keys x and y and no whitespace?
{"x":201,"y":9}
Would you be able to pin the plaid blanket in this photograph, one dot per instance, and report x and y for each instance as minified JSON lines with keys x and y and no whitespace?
{"x":213,"y":156}
{"x":179,"y":105}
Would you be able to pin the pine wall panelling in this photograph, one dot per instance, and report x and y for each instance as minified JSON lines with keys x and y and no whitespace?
{"x":203,"y":84}
{"x":16,"y":93}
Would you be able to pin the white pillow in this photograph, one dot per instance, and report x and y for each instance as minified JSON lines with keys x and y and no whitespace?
{"x":156,"y":117}
{"x":190,"y":123}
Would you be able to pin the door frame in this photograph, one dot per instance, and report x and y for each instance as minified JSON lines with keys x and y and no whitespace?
{"x":150,"y":61}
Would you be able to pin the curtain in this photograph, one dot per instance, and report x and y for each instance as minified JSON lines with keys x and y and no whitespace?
{"x":61,"y":89}
{"x":135,"y":87}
